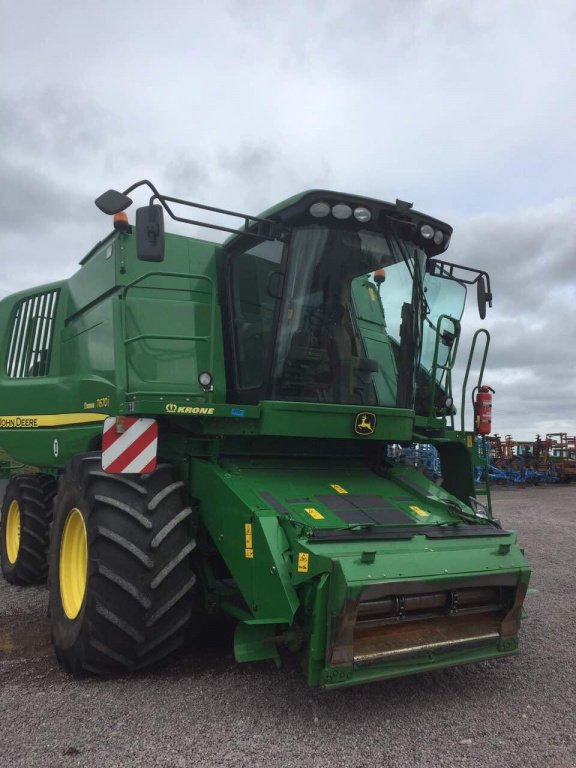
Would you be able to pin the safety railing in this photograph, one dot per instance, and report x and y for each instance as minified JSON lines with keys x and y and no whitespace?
{"x":446,"y":367}
{"x":479,"y":332}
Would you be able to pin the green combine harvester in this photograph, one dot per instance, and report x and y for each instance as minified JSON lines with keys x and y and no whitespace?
{"x":212,"y":429}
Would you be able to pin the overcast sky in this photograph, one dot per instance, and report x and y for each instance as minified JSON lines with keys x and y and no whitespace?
{"x":466,"y":108}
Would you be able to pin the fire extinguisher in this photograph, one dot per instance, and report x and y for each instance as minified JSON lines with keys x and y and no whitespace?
{"x":483,"y":410}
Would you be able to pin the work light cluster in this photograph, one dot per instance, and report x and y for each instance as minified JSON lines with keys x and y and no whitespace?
{"x":429,"y":233}
{"x":340,"y":211}
{"x":321,"y":209}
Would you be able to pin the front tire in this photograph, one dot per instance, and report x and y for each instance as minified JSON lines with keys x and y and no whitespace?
{"x":25,"y":527}
{"x":121,"y":583}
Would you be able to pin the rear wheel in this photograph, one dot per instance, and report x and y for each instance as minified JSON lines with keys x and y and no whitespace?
{"x":25,"y":526}
{"x":121,"y":583}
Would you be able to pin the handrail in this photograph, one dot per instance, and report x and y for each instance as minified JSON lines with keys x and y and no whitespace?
{"x":258,"y":222}
{"x":164,"y":336}
{"x":165,"y":273}
{"x":449,"y":363}
{"x":480,"y":375}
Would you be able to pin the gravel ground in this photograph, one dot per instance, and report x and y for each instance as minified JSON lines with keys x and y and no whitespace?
{"x":205,"y":710}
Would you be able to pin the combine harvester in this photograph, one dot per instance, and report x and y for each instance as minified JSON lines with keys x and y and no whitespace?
{"x":210,"y":428}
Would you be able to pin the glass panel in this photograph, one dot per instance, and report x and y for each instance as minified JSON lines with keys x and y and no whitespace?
{"x":395,"y":291}
{"x":444,"y":297}
{"x":321,"y":355}
{"x":254,"y":309}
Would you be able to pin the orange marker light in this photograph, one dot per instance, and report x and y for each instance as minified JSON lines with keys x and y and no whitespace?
{"x":379,"y":276}
{"x":121,"y":222}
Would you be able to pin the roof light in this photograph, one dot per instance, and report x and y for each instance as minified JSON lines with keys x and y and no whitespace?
{"x":379,"y":276}
{"x":341,"y":211}
{"x":362,"y":214}
{"x":427,"y":231}
{"x":121,"y":222}
{"x":319,"y":209}
{"x":438,"y":236}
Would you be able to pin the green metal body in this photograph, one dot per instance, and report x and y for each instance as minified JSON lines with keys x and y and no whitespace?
{"x":274,"y":485}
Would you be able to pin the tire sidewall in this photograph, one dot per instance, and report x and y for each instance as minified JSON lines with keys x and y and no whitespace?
{"x":8,"y":569}
{"x":66,"y":632}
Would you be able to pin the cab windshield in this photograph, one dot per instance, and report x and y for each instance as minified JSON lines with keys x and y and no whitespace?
{"x":331,"y":343}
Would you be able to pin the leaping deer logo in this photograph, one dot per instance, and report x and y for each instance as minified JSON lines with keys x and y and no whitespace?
{"x":365,"y":423}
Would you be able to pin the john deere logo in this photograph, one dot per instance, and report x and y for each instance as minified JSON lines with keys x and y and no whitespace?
{"x":365,"y":423}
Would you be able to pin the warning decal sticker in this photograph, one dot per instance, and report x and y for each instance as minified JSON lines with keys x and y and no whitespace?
{"x":303,"y":559}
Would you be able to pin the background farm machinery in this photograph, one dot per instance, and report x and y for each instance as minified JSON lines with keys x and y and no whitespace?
{"x":550,"y":459}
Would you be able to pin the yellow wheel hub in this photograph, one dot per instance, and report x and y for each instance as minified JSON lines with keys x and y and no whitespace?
{"x":13,"y":532}
{"x":73,"y":563}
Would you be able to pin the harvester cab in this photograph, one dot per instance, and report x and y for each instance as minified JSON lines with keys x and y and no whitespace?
{"x":223,"y":422}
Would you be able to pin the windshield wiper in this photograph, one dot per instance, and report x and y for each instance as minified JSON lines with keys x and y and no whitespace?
{"x":470,"y":516}
{"x":353,"y":528}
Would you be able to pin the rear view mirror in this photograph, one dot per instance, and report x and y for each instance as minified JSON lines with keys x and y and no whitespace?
{"x":112,"y":202}
{"x":484,"y":296}
{"x":150,"y":233}
{"x":481,"y":293}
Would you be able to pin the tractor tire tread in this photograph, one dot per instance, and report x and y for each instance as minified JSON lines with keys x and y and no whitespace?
{"x":170,"y":603}
{"x":128,"y":509}
{"x":124,"y":584}
{"x":34,"y":493}
{"x":169,"y":567}
{"x":161,"y":535}
{"x":166,"y":635}
{"x":127,"y":545}
{"x":163,"y":494}
{"x":139,"y":569}
{"x":30,"y":533}
{"x":123,"y":625}
{"x":138,"y":487}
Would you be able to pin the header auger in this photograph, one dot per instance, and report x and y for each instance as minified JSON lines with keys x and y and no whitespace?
{"x":209,"y":429}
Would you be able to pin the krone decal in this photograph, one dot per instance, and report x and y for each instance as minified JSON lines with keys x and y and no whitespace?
{"x":189,"y":410}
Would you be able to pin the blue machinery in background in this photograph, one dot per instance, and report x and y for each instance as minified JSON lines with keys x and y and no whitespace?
{"x":420,"y":455}
{"x":513,"y":471}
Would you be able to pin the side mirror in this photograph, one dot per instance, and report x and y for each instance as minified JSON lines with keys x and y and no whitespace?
{"x":112,"y":202}
{"x":275,"y":285}
{"x":484,"y":296}
{"x":150,"y":233}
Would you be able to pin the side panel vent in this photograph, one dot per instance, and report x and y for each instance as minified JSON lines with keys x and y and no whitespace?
{"x":31,"y":336}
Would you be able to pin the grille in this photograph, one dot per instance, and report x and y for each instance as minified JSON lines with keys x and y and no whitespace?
{"x":395,"y":608}
{"x":391,"y":622}
{"x":31,"y":338}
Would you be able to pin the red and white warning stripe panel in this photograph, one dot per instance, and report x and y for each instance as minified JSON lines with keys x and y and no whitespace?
{"x":129,"y":445}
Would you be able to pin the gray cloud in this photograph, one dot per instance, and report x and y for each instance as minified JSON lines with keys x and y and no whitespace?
{"x":33,"y":201}
{"x":54,"y":124}
{"x":531,"y":257}
{"x":187,"y":176}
